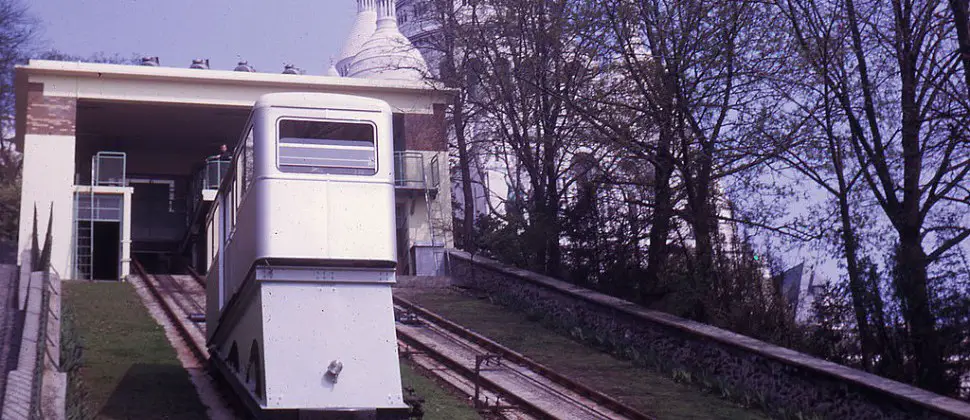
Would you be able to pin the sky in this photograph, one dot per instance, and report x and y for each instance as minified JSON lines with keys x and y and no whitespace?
{"x":268,"y":34}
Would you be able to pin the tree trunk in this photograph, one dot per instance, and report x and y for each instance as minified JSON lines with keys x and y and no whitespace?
{"x":701,"y":285}
{"x":553,"y":228}
{"x":857,"y":287}
{"x":911,"y":284}
{"x":464,"y":166}
{"x":452,"y":31}
{"x":890,"y":364}
{"x":912,"y":257}
{"x":704,"y":282}
{"x":663,"y":210}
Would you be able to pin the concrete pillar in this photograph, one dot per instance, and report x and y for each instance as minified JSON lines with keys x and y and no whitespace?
{"x":126,"y":234}
{"x":48,"y":173}
{"x":48,"y":182}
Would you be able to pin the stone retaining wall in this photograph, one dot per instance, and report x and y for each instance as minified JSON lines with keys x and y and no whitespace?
{"x":418,"y":282}
{"x":23,"y":383}
{"x":53,"y":393}
{"x":35,"y":388}
{"x":778,"y":376}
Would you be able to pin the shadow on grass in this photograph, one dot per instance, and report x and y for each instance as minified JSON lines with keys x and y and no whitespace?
{"x":153,"y":391}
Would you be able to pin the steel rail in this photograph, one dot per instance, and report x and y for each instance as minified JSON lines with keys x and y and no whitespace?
{"x":200,"y":353}
{"x":181,"y":295}
{"x":458,"y":366}
{"x":469,"y":373}
{"x":234,"y":401}
{"x":525,"y":373}
{"x":196,"y":276}
{"x":518,"y":358}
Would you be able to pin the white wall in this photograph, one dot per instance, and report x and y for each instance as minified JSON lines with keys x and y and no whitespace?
{"x":48,"y":178}
{"x":219,"y":88}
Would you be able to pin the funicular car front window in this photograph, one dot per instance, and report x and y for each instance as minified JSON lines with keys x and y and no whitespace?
{"x":327,"y":147}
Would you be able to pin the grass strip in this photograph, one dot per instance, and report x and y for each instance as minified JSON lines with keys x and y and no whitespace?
{"x":440,"y":401}
{"x":125,"y":367}
{"x":646,"y":390}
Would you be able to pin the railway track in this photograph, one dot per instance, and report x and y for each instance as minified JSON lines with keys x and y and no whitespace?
{"x":504,"y":381}
{"x":181,"y":297}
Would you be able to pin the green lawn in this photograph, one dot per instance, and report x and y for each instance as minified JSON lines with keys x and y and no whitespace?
{"x":128,"y":368}
{"x":440,"y":403}
{"x":129,"y":371}
{"x":646,"y":390}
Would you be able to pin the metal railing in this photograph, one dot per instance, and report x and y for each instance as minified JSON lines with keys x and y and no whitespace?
{"x":410,"y":171}
{"x":209,"y":177}
{"x":108,"y":169}
{"x":213,"y":172}
{"x":435,"y":173}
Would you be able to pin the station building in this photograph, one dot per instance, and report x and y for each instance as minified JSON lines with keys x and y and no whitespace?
{"x":125,"y":159}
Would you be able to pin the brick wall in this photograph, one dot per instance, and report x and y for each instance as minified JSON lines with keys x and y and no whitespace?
{"x":780,"y":377}
{"x":48,"y":115}
{"x":426,"y":131}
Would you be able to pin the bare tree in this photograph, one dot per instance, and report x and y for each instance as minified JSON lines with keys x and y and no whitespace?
{"x":530,"y":65}
{"x":450,"y":49}
{"x":17,"y":31}
{"x":631,"y":106}
{"x":892,"y":79}
{"x":695,"y":72}
{"x":826,"y":159}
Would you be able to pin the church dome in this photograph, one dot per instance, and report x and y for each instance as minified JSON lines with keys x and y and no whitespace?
{"x":362,"y":29}
{"x":388,"y":54}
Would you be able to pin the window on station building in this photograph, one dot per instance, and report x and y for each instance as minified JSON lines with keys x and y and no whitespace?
{"x":327,"y":147}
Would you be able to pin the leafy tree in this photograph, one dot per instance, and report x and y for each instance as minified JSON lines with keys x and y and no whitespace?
{"x":18,"y":31}
{"x":888,"y":68}
{"x":532,"y":67}
{"x":99,"y":57}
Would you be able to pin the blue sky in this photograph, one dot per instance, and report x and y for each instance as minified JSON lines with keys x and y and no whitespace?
{"x":266,"y":33}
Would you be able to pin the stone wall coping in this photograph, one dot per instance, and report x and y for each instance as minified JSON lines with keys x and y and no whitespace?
{"x":932,"y":401}
{"x":19,"y":396}
{"x":54,"y":383}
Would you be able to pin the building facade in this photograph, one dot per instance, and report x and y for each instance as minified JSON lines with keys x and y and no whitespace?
{"x":119,"y":158}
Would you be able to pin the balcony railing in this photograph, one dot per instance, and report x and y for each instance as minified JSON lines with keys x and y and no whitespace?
{"x":108,"y":169}
{"x":209,"y":177}
{"x":213,"y":172}
{"x":412,"y":173}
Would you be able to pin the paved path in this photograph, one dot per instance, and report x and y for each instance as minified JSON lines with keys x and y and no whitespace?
{"x":9,"y":324}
